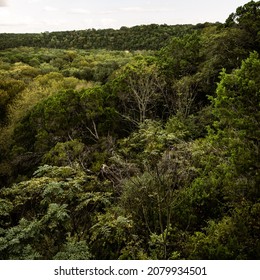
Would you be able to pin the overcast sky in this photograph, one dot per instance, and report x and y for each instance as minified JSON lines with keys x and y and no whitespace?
{"x":22,"y":16}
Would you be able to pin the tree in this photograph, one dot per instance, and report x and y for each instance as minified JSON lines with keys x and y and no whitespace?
{"x":49,"y":216}
{"x":139,"y":89}
{"x":247,"y":17}
{"x":181,"y":56}
{"x":9,"y":89}
{"x":225,"y":192}
{"x":179,"y":63}
{"x":160,"y":164}
{"x":237,"y":108}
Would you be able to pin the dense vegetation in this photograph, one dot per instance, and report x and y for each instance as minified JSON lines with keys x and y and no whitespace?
{"x":141,"y":37}
{"x":148,"y":154}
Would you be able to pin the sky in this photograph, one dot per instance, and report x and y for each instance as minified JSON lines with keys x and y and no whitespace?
{"x":29,"y":16}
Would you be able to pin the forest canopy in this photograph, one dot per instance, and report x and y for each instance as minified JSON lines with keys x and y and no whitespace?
{"x":138,"y":143}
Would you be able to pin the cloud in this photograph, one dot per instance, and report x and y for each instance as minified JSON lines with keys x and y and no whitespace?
{"x":139,"y":9}
{"x":79,"y":11}
{"x":15,"y":25}
{"x":18,"y":21}
{"x":3,"y":3}
{"x":108,"y":12}
{"x":132,"y":9}
{"x":50,"y":9}
{"x":107,"y":22}
{"x":33,"y":1}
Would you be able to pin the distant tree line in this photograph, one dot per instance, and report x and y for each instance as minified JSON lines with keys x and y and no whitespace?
{"x":143,"y":37}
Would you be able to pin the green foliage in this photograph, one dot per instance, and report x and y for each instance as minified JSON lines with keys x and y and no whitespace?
{"x":73,"y":250}
{"x":247,"y":18}
{"x":58,"y":202}
{"x":230,"y":238}
{"x":241,"y":89}
{"x":181,"y":56}
{"x":65,"y":153}
{"x":15,"y":242}
{"x":9,"y":89}
{"x":139,"y":88}
{"x":132,"y":154}
{"x":143,"y":37}
{"x":237,"y":109}
{"x":110,"y":234}
{"x":226,"y":191}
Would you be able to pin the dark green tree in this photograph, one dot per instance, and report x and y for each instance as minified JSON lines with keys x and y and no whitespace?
{"x":227,"y":189}
{"x":247,"y":17}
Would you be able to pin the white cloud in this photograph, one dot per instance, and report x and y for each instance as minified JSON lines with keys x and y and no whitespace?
{"x":50,"y":9}
{"x":16,"y":24}
{"x":137,"y":9}
{"x":33,"y":1}
{"x":132,"y":9}
{"x":108,"y":22}
{"x":87,"y":23}
{"x":80,"y":11}
{"x":108,"y":12}
{"x":145,"y":10}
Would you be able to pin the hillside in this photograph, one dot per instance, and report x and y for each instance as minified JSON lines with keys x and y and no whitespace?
{"x":149,"y":37}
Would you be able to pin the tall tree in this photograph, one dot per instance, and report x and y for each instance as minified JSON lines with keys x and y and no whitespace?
{"x":139,"y":88}
{"x":247,"y":17}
